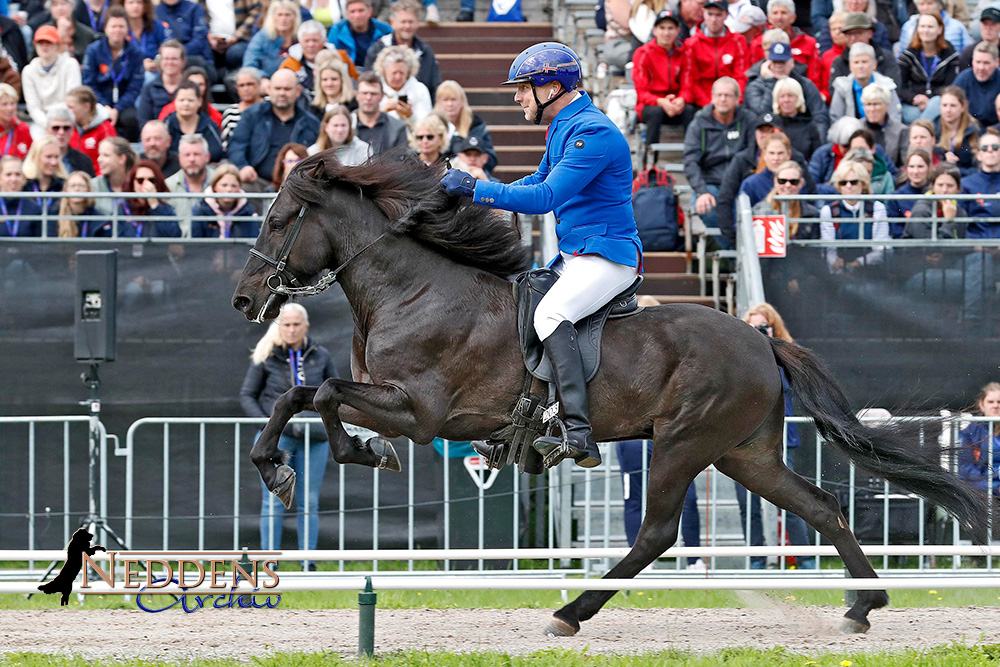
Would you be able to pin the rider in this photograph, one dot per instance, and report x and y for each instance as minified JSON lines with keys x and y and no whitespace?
{"x":585,"y":177}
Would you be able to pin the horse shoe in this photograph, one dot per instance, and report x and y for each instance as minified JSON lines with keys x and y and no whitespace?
{"x":284,"y":486}
{"x":386,"y":453}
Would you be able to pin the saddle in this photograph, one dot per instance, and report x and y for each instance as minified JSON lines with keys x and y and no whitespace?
{"x":535,"y":415}
{"x":530,"y":287}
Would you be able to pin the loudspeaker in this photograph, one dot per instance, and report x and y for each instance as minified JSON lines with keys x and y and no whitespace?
{"x":96,"y":305}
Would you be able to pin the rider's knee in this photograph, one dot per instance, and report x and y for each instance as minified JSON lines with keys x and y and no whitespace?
{"x":546,"y":321}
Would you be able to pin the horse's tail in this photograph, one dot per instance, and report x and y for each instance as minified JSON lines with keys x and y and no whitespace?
{"x":888,"y":450}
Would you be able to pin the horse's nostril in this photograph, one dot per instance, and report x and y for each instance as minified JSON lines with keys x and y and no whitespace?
{"x":241,"y":303}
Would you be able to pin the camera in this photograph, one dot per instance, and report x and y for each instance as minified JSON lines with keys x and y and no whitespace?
{"x":764,"y":329}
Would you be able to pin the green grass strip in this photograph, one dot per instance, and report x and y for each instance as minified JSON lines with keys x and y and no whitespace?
{"x":945,"y":656}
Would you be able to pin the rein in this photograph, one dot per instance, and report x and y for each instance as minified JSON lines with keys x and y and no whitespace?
{"x":283,"y":282}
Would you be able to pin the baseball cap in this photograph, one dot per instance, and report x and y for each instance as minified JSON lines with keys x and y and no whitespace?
{"x":470,"y":143}
{"x":716,"y":4}
{"x":47,"y":33}
{"x":779,"y":52}
{"x":767,"y":120}
{"x":749,"y":16}
{"x":857,"y":21}
{"x":666,"y":15}
{"x":990,"y":14}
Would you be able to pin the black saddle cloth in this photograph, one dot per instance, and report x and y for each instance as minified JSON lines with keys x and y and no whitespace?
{"x":529,"y":288}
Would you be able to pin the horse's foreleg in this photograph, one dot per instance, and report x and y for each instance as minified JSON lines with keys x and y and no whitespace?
{"x":387,"y":407}
{"x":767,"y":475}
{"x":657,"y":534}
{"x":270,"y":461}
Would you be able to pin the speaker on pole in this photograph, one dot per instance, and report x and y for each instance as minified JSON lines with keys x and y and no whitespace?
{"x":96,"y":305}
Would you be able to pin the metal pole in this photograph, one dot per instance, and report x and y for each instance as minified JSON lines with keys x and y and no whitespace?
{"x":366,"y":620}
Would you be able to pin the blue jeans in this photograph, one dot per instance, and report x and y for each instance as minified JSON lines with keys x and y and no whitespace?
{"x":272,"y":511}
{"x":798,"y":532}
{"x":711,"y":219}
{"x":930,"y":112}
{"x":630,"y":461}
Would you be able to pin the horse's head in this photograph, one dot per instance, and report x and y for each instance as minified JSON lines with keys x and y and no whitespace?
{"x":291,"y":249}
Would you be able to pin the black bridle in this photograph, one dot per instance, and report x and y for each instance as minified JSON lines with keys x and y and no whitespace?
{"x":283,"y":282}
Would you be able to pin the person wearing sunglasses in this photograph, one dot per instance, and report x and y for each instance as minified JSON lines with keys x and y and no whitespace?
{"x":59,"y":125}
{"x":146,"y":178}
{"x":428,"y":139}
{"x":789,"y":179}
{"x":849,"y":218}
{"x":985,"y":181}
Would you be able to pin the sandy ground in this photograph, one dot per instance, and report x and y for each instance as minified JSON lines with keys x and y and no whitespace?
{"x":245,"y":633}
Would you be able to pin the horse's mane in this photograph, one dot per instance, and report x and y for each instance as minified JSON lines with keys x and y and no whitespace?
{"x":409,"y":193}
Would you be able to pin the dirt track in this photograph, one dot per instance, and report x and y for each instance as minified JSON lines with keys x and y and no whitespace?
{"x":244,"y":633}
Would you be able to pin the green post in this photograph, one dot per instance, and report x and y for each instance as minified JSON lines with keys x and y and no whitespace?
{"x":366,"y":620}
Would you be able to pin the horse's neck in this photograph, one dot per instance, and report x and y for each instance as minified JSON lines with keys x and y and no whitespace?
{"x":396,"y":272}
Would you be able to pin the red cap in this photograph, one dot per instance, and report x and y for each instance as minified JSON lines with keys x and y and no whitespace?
{"x":47,"y":33}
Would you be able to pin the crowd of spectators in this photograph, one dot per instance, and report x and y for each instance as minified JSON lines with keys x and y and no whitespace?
{"x":116,"y":96}
{"x":758,"y":87}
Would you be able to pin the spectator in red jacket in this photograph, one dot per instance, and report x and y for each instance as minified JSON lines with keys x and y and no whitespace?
{"x":656,"y":71}
{"x":805,"y":50}
{"x":711,"y":53}
{"x":826,"y":59}
{"x":15,"y":136}
{"x":93,"y":124}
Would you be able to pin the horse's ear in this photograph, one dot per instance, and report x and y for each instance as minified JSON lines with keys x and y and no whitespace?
{"x":319,"y":171}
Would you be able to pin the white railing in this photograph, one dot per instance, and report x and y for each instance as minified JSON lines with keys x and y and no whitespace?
{"x":596,"y":529}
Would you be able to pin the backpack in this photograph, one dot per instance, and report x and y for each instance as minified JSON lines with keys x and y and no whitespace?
{"x":658,"y":215}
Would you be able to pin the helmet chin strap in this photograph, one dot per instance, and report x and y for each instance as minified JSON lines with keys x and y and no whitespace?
{"x":541,"y":107}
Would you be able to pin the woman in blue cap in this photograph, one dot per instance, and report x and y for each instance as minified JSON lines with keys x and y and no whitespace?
{"x":585,"y":177}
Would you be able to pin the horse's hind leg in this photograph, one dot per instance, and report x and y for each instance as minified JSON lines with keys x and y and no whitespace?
{"x":272,"y":463}
{"x":657,"y":534}
{"x":759,"y":468}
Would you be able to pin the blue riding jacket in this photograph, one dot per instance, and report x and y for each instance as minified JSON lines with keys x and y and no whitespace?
{"x":585,"y":177}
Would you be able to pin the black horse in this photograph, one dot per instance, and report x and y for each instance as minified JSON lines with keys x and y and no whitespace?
{"x":435,"y":353}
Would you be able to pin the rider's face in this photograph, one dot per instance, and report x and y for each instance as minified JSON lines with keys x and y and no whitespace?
{"x":524,"y":97}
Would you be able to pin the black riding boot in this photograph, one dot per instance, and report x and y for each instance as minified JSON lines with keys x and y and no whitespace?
{"x":571,"y":389}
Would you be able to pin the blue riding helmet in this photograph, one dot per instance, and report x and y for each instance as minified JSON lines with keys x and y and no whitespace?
{"x":544,"y":63}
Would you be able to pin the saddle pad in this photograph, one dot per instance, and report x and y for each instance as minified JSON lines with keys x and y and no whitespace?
{"x":529,"y":288}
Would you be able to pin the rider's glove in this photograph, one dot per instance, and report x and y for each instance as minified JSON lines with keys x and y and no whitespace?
{"x":458,"y":182}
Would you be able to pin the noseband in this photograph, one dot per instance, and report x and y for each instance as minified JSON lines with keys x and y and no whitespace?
{"x":283,"y":282}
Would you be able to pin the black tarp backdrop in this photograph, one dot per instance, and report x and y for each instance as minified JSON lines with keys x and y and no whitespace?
{"x":915,"y":334}
{"x":182,"y":352}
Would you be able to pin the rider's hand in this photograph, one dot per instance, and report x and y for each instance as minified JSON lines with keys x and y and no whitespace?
{"x":458,"y":182}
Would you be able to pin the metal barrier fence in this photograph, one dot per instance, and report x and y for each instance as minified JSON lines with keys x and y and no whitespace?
{"x":181,"y":447}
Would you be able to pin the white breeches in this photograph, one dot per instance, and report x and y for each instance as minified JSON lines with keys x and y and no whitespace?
{"x":586,"y":282}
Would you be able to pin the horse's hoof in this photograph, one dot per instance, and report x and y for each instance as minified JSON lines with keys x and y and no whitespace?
{"x":385,"y":453}
{"x":559,"y":627}
{"x":284,"y":486}
{"x":850,"y":626}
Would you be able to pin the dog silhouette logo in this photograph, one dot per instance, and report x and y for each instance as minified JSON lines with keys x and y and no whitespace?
{"x":63,"y":582}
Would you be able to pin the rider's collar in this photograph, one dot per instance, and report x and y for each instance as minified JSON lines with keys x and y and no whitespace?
{"x":580,"y":102}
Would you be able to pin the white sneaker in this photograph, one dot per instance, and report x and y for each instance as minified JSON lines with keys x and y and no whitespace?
{"x":433,"y":15}
{"x":698,"y":567}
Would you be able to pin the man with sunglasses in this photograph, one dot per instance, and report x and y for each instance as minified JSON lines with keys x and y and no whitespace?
{"x":986,"y":181}
{"x":59,"y":125}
